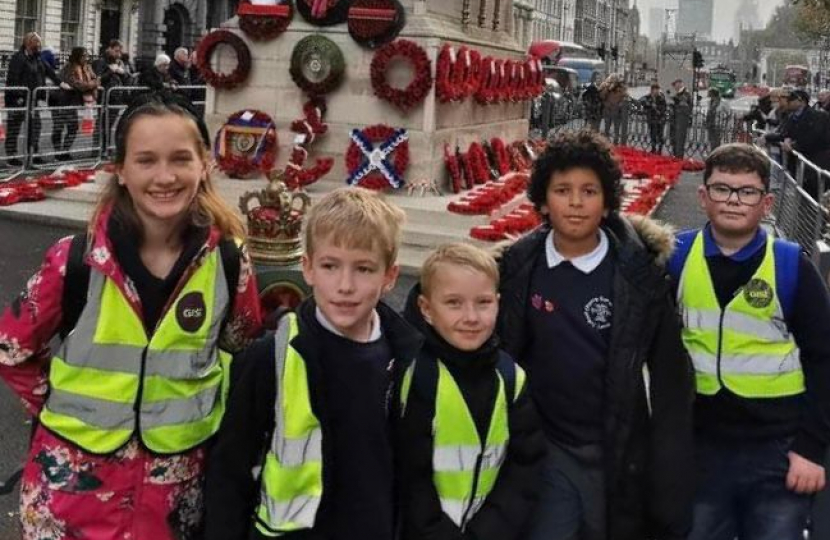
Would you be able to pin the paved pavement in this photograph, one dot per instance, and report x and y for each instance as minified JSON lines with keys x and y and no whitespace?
{"x":22,"y":245}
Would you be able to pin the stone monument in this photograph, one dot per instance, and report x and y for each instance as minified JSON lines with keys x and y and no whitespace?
{"x":483,"y":25}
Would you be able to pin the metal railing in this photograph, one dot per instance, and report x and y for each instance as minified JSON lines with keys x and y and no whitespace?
{"x":39,"y":131}
{"x":687,"y":136}
{"x":14,"y":131}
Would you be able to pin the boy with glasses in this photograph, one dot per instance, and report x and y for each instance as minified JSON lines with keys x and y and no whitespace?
{"x":756,"y":317}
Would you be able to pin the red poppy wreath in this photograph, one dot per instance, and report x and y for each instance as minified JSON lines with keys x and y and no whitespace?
{"x":208,"y":45}
{"x":264,"y":22}
{"x":377,"y":157}
{"x":418,"y":88}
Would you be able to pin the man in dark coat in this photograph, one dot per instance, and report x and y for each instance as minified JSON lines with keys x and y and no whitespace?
{"x":26,"y":69}
{"x":112,"y":73}
{"x":682,"y":109}
{"x":654,"y":106}
{"x":806,"y":131}
{"x":599,"y":337}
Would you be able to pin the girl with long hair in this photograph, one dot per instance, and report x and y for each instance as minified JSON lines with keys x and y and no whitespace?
{"x":133,"y":395}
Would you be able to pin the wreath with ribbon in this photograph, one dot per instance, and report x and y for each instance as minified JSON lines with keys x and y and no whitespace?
{"x":501,"y":157}
{"x":445,"y":87}
{"x":420,"y":85}
{"x":479,"y":166}
{"x":373,"y":23}
{"x":208,"y":45}
{"x":323,"y":12}
{"x":317,"y":65}
{"x":253,"y":148}
{"x":377,"y":157}
{"x":264,"y":22}
{"x":453,"y":168}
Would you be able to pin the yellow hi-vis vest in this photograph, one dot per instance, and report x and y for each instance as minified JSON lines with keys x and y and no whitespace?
{"x":745,"y":347}
{"x":292,"y":476}
{"x":109,"y":380}
{"x":465,"y":469}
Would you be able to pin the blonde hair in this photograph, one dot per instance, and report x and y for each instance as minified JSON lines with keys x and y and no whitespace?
{"x":458,"y":254}
{"x":207,"y":208}
{"x":356,"y":218}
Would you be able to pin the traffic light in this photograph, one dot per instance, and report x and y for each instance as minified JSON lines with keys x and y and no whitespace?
{"x":614,"y":52}
{"x":601,"y":50}
{"x":697,"y":59}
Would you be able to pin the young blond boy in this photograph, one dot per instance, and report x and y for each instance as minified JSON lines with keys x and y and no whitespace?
{"x":310,"y":411}
{"x":469,"y":443}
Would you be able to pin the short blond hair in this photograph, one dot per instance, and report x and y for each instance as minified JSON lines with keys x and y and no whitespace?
{"x":458,"y":254}
{"x":356,"y":218}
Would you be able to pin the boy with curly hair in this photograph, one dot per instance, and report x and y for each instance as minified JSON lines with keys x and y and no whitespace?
{"x":586,"y":308}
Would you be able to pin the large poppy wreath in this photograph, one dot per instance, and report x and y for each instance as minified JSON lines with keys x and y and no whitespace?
{"x":417,"y":90}
{"x":264,"y":22}
{"x":207,"y":47}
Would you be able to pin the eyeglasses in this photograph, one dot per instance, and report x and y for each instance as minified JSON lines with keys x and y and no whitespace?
{"x":748,"y":195}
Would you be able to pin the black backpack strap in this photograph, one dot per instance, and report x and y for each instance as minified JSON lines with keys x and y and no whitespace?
{"x":75,"y":285}
{"x":230,"y":252}
{"x":507,"y":368}
{"x":425,"y":381}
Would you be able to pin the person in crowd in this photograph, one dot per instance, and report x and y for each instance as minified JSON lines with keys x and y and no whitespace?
{"x":807,"y":131}
{"x":715,"y":119}
{"x":586,"y":307}
{"x":158,"y":76}
{"x":54,"y":98}
{"x":756,"y":315}
{"x":112,"y":73}
{"x":681,"y":117}
{"x":823,"y":101}
{"x":614,"y":95}
{"x":83,"y":89}
{"x":478,"y":402}
{"x":654,"y":106}
{"x":759,"y":113}
{"x":180,"y":68}
{"x":592,"y":102}
{"x":312,"y":404}
{"x":150,"y":304}
{"x":26,"y":70}
{"x":129,"y":67}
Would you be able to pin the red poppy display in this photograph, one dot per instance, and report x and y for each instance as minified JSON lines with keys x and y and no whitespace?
{"x":225,"y":81}
{"x":417,"y":90}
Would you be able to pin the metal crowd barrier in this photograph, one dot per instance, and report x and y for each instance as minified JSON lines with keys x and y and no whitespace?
{"x":14,"y":130}
{"x":795,"y":215}
{"x":38,"y":131}
{"x":631,"y":126}
{"x":69,"y":134}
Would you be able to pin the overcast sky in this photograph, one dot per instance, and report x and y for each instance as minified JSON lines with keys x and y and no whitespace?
{"x":724,"y":14}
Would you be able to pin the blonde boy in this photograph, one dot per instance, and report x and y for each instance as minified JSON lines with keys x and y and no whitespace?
{"x":310,"y":410}
{"x":469,"y":443}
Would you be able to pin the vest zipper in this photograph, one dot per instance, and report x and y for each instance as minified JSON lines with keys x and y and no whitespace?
{"x":137,"y":404}
{"x":476,"y":476}
{"x":720,"y":346}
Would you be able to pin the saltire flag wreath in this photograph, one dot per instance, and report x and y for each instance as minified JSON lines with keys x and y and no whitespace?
{"x":262,"y":20}
{"x":378,"y":157}
{"x":246,"y":144}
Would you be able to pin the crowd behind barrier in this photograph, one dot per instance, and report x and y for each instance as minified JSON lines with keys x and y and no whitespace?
{"x":43,"y":133}
{"x":632,"y":126}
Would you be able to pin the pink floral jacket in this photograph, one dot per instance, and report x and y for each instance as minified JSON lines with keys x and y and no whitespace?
{"x":67,"y":493}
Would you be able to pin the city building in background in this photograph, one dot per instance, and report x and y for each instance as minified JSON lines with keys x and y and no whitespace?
{"x":145,"y":26}
{"x":695,"y":17}
{"x":747,"y":17}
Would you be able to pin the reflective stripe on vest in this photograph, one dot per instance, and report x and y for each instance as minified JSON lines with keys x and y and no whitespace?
{"x":464,"y":468}
{"x":746,"y":347}
{"x":107,"y":379}
{"x":292,"y":477}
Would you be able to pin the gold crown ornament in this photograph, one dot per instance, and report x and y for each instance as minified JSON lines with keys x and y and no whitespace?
{"x":275,"y":224}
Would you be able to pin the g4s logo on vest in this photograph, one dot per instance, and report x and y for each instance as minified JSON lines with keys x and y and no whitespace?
{"x":191,"y":311}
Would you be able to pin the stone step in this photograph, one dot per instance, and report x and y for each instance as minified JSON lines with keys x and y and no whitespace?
{"x":428,"y":225}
